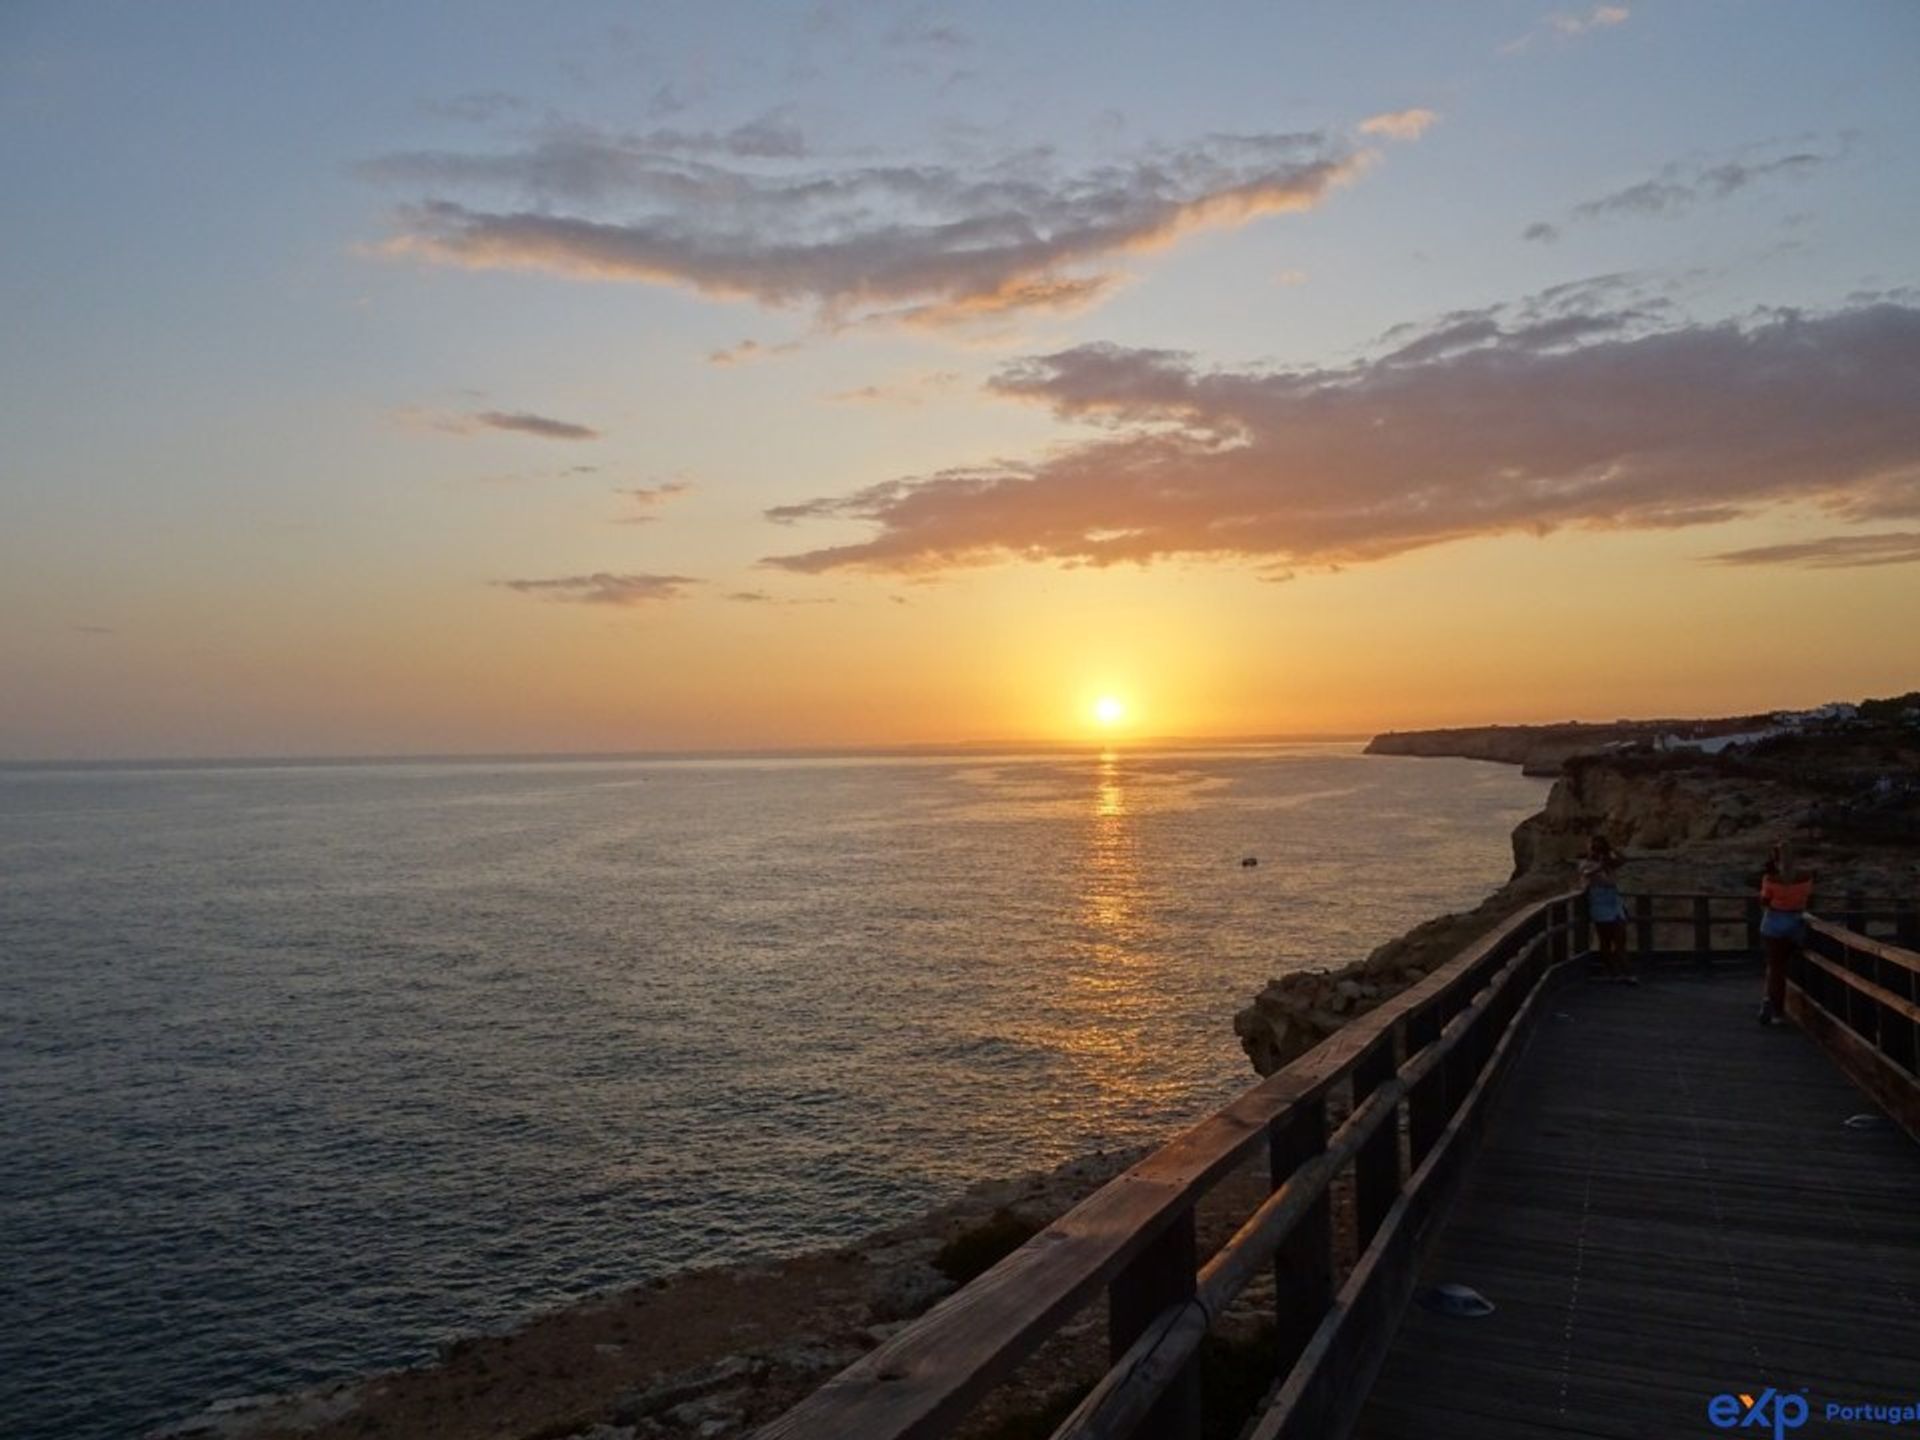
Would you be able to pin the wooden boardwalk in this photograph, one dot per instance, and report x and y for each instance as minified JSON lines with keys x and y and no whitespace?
{"x":1668,"y":1207}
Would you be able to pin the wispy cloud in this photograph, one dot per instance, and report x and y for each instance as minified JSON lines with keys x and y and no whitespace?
{"x":1590,"y":405}
{"x":925,"y":32}
{"x":476,"y":107}
{"x":579,"y":164}
{"x":647,"y":500}
{"x":604,"y":588}
{"x":1563,"y":26}
{"x":918,"y":243}
{"x":1400,"y":124}
{"x":914,"y":390}
{"x":761,"y":597}
{"x":746,"y":351}
{"x":545,"y":427}
{"x":517,"y":422}
{"x":1833,"y":552}
{"x":1683,"y":185}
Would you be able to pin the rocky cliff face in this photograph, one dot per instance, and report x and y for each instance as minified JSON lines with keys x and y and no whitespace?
{"x":1644,"y":809}
{"x":1687,"y":822}
{"x":1544,"y":749}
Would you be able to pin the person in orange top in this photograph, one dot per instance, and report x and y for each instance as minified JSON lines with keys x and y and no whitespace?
{"x":1785,"y":890}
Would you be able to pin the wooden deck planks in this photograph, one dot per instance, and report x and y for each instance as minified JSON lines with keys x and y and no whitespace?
{"x":1668,"y":1207}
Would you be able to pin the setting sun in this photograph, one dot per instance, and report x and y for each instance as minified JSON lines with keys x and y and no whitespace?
{"x":1109,"y":710}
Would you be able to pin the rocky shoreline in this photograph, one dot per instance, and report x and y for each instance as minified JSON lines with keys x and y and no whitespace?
{"x":713,"y":1353}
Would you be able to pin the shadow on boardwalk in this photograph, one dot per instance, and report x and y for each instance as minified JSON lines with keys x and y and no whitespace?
{"x":1669,"y":1206}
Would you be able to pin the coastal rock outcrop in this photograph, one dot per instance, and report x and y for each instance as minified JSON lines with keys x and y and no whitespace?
{"x":1295,"y":1012}
{"x":1690,"y":819}
{"x":1645,"y":807}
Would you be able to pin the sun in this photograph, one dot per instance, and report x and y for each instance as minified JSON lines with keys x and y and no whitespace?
{"x":1109,"y":710}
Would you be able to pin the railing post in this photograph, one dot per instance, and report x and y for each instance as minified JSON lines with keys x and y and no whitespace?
{"x":1376,"y":1168}
{"x":1643,"y":926}
{"x":1159,"y":1276}
{"x":1427,"y":1110}
{"x":1303,"y":1265}
{"x":1557,"y":930}
{"x":1906,"y":927}
{"x":1703,"y":930}
{"x":1856,"y":917}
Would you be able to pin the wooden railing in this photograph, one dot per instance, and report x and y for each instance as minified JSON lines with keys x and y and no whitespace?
{"x":1718,"y":928}
{"x":1409,"y":1085}
{"x":1432,"y":1053}
{"x":1855,"y":996}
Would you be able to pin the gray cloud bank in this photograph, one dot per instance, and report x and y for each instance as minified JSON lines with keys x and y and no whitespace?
{"x":922,"y":243}
{"x":1562,"y":411}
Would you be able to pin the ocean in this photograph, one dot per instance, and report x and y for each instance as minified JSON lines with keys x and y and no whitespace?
{"x":308,"y":1069}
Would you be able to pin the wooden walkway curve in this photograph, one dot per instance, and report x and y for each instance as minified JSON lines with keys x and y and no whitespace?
{"x":1668,"y":1206}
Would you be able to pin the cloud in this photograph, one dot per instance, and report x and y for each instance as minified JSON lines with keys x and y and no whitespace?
{"x":927,"y":244}
{"x":581,"y":164}
{"x":761,"y":597}
{"x":1598,"y":18}
{"x":603,"y":588}
{"x":522,"y":423}
{"x":913,"y":391}
{"x":517,"y":422}
{"x":477,"y":107}
{"x":1564,"y":27}
{"x":1682,"y":186}
{"x":647,"y":499}
{"x":1833,"y":552}
{"x":1590,"y":405}
{"x":1399,"y":124}
{"x":924,"y":32}
{"x":750,"y":350}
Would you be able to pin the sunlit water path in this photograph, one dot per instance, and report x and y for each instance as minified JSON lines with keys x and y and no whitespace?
{"x":309,"y":1069}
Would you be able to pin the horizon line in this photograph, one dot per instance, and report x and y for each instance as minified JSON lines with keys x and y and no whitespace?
{"x":758,"y":752}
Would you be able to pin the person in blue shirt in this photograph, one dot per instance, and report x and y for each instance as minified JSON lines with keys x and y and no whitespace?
{"x":1600,"y":873}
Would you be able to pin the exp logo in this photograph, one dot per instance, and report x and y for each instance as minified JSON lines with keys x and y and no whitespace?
{"x":1767,"y":1411}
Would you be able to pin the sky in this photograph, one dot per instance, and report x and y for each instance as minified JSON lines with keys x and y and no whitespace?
{"x":428,"y":378}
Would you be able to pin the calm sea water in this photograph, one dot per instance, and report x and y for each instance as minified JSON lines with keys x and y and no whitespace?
{"x":307,"y":1070}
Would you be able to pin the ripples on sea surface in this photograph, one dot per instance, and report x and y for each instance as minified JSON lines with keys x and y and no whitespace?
{"x":308,"y":1069}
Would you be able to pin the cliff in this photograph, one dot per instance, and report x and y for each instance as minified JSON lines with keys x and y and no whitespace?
{"x":1545,"y":749}
{"x":1689,"y":821}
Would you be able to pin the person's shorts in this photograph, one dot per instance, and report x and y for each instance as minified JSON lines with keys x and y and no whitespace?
{"x":1614,"y":931}
{"x":1783,"y":925}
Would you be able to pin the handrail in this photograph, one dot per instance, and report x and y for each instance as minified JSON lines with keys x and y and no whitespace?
{"x":1417,"y":1071}
{"x":1121,"y":1399}
{"x":923,"y":1380}
{"x":1856,"y":997}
